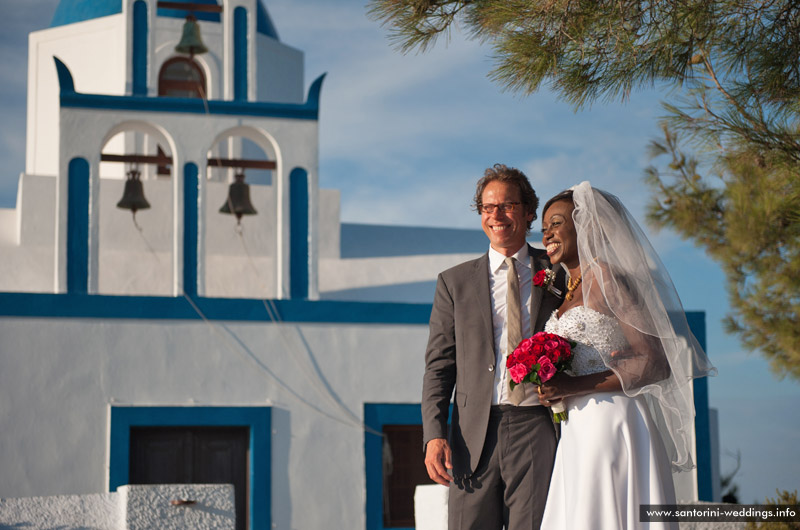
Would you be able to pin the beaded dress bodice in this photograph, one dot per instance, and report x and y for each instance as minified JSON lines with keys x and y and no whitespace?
{"x":593,"y":332}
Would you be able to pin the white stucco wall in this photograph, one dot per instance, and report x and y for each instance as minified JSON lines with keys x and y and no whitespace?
{"x":129,"y":508}
{"x":60,"y":376}
{"x":95,"y":52}
{"x":99,"y":511}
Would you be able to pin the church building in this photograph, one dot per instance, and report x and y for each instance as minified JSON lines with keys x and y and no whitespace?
{"x":179,"y":300}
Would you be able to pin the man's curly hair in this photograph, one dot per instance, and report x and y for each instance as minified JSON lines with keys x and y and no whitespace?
{"x":503,"y":173}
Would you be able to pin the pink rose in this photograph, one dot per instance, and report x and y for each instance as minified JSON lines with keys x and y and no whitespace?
{"x":547,"y":369}
{"x":551,"y":345}
{"x":526,"y":358}
{"x":518,"y":372}
{"x":526,"y":344}
{"x":553,"y":355}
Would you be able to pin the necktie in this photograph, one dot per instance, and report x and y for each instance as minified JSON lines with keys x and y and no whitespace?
{"x":513,"y":323}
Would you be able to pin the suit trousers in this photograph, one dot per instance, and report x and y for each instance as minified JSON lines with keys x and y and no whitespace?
{"x":509,"y":486}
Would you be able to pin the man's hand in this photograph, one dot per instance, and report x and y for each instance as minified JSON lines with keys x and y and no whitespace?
{"x":437,"y":460}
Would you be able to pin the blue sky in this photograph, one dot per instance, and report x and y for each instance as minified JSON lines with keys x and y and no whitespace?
{"x":405,"y":137}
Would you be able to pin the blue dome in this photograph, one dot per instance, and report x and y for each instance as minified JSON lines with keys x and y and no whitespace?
{"x":71,"y":11}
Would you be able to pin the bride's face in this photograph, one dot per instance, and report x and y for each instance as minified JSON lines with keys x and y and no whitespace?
{"x":558,"y":234}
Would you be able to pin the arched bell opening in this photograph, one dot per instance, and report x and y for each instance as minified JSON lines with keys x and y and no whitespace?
{"x":182,"y":77}
{"x":240,"y":215}
{"x":136,"y":211}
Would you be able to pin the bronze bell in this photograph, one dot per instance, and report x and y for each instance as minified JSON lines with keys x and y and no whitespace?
{"x":133,"y":196}
{"x":238,"y":202}
{"x":191,"y":43}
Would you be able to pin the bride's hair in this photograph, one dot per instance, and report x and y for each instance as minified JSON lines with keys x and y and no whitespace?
{"x":565,"y":195}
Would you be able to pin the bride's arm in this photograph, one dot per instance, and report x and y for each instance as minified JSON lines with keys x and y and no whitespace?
{"x":643,"y":362}
{"x":563,"y":385}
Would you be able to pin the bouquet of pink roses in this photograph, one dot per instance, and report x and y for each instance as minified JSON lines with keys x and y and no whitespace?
{"x":537,"y":359}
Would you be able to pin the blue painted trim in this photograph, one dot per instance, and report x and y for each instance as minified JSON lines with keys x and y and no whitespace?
{"x":298,"y":239}
{"x":71,"y":11}
{"x":257,"y":419}
{"x":305,"y":111}
{"x":190,"y":215}
{"x":702,"y":421}
{"x":71,"y":99}
{"x":140,"y":31}
{"x":199,"y":15}
{"x":78,"y":226}
{"x":240,"y":54}
{"x":702,"y":425}
{"x":65,"y":82}
{"x":45,"y":305}
{"x":314,"y":92}
{"x":376,"y":415}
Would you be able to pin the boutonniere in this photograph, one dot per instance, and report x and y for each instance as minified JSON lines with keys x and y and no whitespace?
{"x":545,"y":279}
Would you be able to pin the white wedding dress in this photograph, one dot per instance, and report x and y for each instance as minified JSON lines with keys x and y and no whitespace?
{"x":610,"y":457}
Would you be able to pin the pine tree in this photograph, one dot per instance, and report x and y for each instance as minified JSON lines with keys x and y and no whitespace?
{"x":727,"y":176}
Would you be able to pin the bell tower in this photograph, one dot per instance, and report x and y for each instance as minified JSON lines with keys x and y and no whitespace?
{"x":191,"y":116}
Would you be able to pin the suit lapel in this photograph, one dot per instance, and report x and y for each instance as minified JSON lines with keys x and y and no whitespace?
{"x":480,"y":279}
{"x":537,"y":294}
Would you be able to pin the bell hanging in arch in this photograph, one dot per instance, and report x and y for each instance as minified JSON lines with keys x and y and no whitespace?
{"x":133,"y":196}
{"x":238,"y":202}
{"x":191,"y":43}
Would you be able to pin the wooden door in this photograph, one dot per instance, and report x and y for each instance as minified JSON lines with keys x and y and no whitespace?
{"x":193,"y":455}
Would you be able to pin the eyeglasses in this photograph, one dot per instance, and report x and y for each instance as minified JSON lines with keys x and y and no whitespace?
{"x":505,"y":207}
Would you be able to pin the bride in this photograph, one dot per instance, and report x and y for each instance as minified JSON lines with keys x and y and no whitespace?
{"x":628,"y":394}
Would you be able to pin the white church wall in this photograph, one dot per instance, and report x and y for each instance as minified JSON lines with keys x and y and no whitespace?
{"x":336,"y":275}
{"x":56,"y":438}
{"x":140,"y":262}
{"x":9,"y":231}
{"x":279,"y":71}
{"x":328,"y":226}
{"x":134,"y":261}
{"x":102,"y":71}
{"x":294,"y":143}
{"x":36,"y":207}
{"x":26,"y":269}
{"x":26,"y":244}
{"x":241,"y":258}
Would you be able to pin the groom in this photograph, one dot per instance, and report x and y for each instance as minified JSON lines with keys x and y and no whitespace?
{"x":502,"y":443}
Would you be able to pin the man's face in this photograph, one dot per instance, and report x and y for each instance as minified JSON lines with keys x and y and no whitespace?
{"x":506,"y":230}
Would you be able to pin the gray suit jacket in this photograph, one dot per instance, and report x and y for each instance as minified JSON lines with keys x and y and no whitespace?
{"x":461,"y":356}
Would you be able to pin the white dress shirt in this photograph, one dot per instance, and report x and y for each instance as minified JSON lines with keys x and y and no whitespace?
{"x":498,"y":284}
